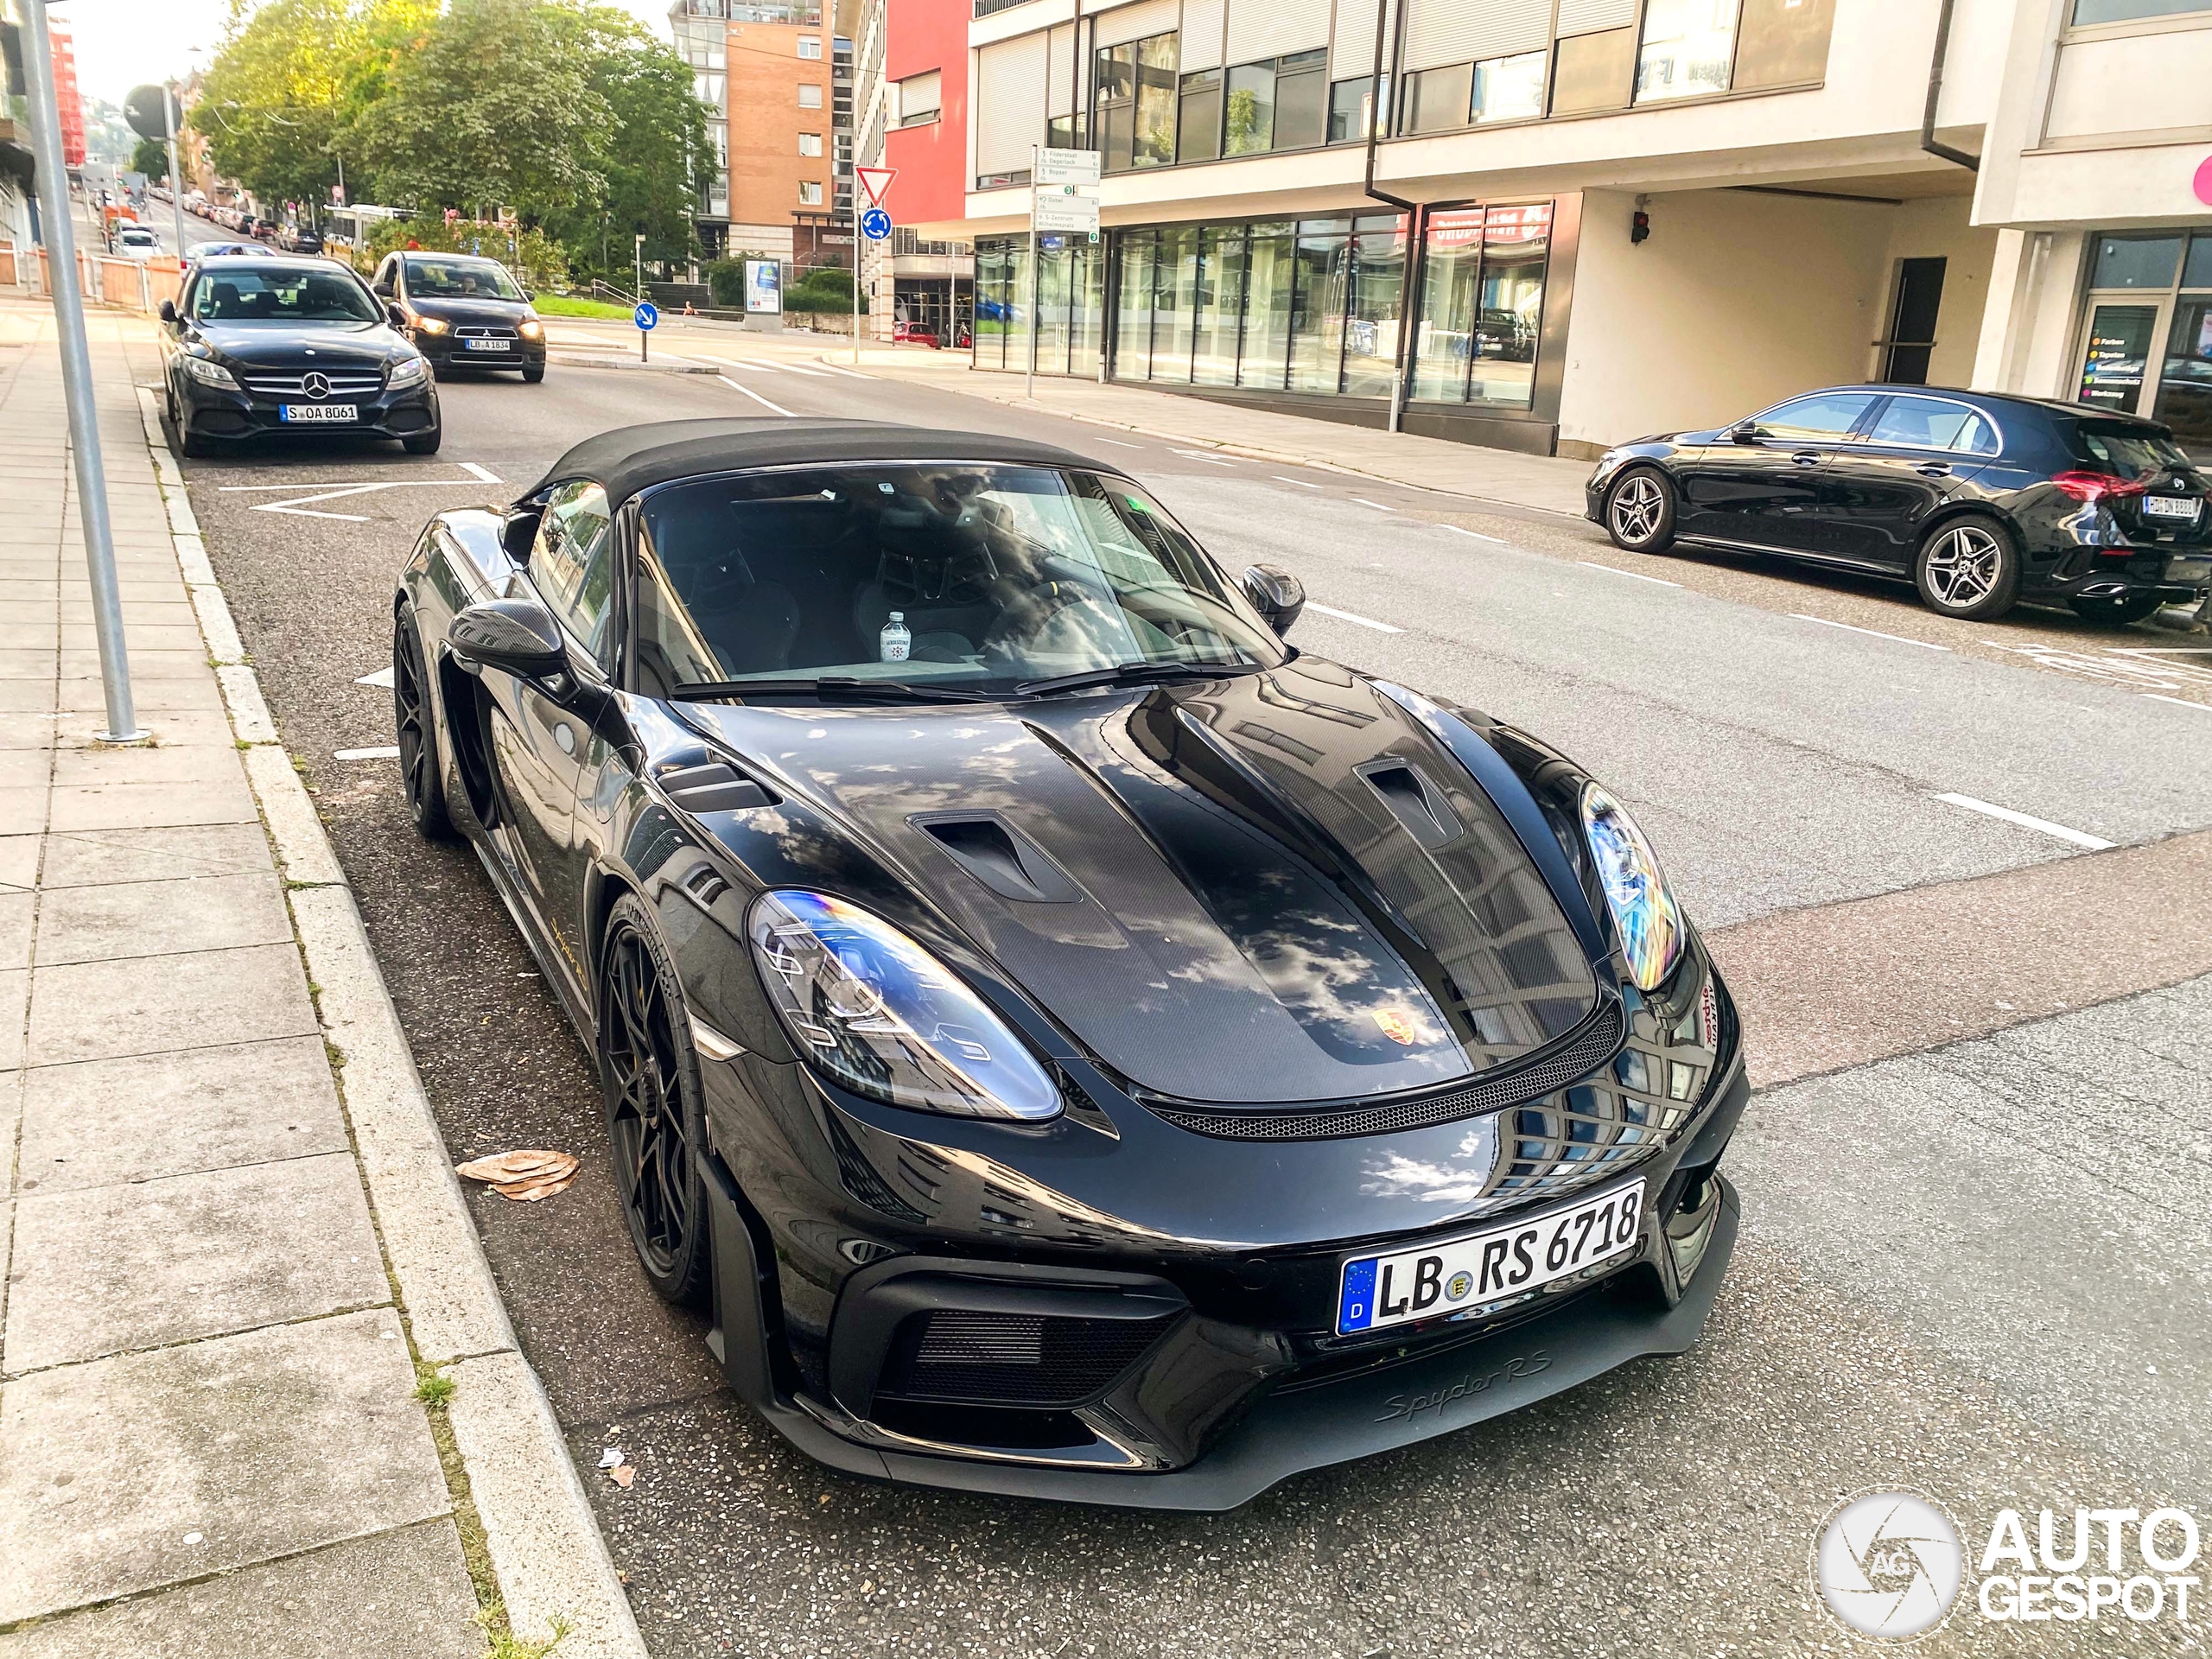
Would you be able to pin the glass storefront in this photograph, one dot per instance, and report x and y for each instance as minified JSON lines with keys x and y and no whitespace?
{"x":2146,"y":343}
{"x":1311,"y":305}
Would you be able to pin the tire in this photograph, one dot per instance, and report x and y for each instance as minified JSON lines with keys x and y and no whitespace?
{"x":422,"y":768}
{"x":1640,"y":510}
{"x":424,"y":444}
{"x":533,"y":373}
{"x":2117,"y":610}
{"x":656,"y":1127}
{"x":1968,"y":568}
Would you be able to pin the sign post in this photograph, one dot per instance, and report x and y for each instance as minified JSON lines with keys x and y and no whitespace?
{"x":1063,"y":198}
{"x":875,"y":184}
{"x":646,"y":316}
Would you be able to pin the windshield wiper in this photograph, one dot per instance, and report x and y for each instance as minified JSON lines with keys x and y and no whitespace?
{"x":1135,"y":674}
{"x":830,"y":688}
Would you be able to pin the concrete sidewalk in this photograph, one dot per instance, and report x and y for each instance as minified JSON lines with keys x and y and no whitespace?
{"x":230,"y":1244}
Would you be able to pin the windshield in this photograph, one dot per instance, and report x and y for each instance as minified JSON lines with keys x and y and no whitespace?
{"x":996,"y":576}
{"x":247,"y":294}
{"x":138,"y":238}
{"x":2129,"y":451}
{"x":458,"y":279}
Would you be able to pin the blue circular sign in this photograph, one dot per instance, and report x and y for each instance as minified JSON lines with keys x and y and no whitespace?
{"x":875,"y":224}
{"x":646,"y":314}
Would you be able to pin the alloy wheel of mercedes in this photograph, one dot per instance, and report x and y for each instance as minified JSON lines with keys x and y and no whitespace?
{"x":1968,"y":569}
{"x":1641,"y":515}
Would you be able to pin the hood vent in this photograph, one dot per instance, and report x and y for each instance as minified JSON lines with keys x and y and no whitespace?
{"x":1414,"y":801}
{"x":999,"y":856}
{"x":712,"y":788}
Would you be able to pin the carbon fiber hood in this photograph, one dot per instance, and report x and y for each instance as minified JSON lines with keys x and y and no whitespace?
{"x":1275,"y":888}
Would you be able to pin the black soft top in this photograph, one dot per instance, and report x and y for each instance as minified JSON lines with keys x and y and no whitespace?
{"x":634,"y":458}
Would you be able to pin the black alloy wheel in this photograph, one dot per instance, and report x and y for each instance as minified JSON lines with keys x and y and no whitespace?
{"x":1640,"y":510}
{"x":2116,"y":609}
{"x":1968,"y":568}
{"x":421,"y":772}
{"x":656,"y":1130}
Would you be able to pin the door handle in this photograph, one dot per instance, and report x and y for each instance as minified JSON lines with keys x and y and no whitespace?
{"x":1808,"y":457}
{"x":1934,"y":469}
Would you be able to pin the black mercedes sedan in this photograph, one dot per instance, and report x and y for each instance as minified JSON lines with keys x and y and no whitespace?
{"x":263,"y":343}
{"x":1072,"y":1042}
{"x":1979,"y":501}
{"x":463,"y":312}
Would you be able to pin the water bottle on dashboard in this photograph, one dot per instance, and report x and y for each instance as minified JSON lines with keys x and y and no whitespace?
{"x":896,"y":642}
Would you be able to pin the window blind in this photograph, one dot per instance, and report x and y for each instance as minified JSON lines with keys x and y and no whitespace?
{"x":1459,"y":31}
{"x":1136,"y":22}
{"x":1589,"y":17}
{"x":1009,"y":103}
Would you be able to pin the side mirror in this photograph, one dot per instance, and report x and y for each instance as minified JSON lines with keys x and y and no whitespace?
{"x":529,"y":296}
{"x":1745,"y":432}
{"x":520,"y":532}
{"x":516,"y":636}
{"x":382,"y":291}
{"x":168,"y":313}
{"x":395,"y":316}
{"x":1276,"y":594}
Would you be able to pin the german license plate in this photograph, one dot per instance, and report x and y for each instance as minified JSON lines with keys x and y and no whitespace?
{"x":320,"y":414}
{"x":1376,"y":1291}
{"x":2169,"y":506}
{"x":485,"y":344}
{"x":2190,"y":570}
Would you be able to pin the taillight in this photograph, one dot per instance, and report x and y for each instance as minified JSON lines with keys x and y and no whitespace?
{"x":2089,"y":488}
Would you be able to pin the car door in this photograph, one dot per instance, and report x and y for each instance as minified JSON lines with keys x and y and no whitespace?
{"x":1758,"y":484}
{"x":541,"y":732}
{"x":1918,"y":453}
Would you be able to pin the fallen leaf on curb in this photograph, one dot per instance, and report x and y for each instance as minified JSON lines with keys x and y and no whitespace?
{"x":623,"y":1475}
{"x":523,"y":1176}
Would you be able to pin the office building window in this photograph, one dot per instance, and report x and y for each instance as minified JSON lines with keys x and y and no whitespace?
{"x":1688,"y":50}
{"x":1510,"y":89}
{"x":809,"y":193}
{"x":1317,"y":304}
{"x":1437,"y":99}
{"x":1134,"y":89}
{"x":1376,"y":282}
{"x":920,"y":98}
{"x":810,"y":98}
{"x":1198,"y":128}
{"x":1482,"y":305}
{"x":810,"y":46}
{"x":2089,"y":13}
{"x":1279,"y":104}
{"x":1270,"y":264}
{"x":810,"y":143}
{"x":1351,"y":112}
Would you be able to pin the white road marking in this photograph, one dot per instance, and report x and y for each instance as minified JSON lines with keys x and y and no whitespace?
{"x":1118,"y":443}
{"x":1302,"y":484}
{"x":1377,"y":505}
{"x":849,"y":374}
{"x":1477,"y":534}
{"x":2180,"y":703}
{"x":1875,"y":634}
{"x":382,"y":676}
{"x":2043,"y":826}
{"x":754,"y":396}
{"x":366,"y":754}
{"x":2119,"y":665}
{"x":732,"y":363}
{"x":801,"y":368}
{"x":1200,"y":455}
{"x":1347,"y":616}
{"x":1633,"y":575}
{"x":296,"y":506}
{"x":484,"y":473}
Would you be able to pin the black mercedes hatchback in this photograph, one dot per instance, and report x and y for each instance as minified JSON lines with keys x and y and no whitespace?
{"x":1979,"y":501}
{"x":267,"y":344}
{"x":463,"y":312}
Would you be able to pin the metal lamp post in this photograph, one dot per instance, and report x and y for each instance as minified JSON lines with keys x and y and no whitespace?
{"x":77,"y":381}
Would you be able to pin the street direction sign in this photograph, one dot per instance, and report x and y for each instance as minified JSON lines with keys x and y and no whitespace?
{"x":1066,"y":208}
{"x":875,"y":224}
{"x":875,"y":182}
{"x":646,"y":316}
{"x":1067,"y":167}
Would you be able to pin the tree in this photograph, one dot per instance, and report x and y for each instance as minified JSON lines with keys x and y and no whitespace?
{"x":660,"y":158}
{"x":151,"y":157}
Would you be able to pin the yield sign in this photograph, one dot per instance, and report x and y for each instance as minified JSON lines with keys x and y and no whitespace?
{"x":876,"y":180}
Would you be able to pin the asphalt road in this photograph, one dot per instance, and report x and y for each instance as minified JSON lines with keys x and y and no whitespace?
{"x":1959,"y":1267}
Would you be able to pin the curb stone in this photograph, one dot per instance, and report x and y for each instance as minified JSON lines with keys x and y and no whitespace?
{"x":547,"y":1551}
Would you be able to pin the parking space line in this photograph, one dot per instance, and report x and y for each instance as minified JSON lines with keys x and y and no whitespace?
{"x":1347,"y":616}
{"x":1458,"y":530}
{"x":366,"y":754}
{"x":1377,"y":505}
{"x":1200,"y":455}
{"x":2041,"y":826}
{"x":1303,"y":484}
{"x":2180,"y":703}
{"x":484,"y":473}
{"x":1873,"y":633}
{"x":1118,"y":443}
{"x":755,"y":396}
{"x":1633,"y":575}
{"x":381,"y":677}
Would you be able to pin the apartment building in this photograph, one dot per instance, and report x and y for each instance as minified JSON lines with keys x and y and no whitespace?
{"x":1577,"y":221}
{"x":911,"y":115}
{"x":701,"y":31}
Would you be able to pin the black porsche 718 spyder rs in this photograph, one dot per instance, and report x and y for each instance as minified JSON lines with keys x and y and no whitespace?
{"x":1076,"y":1044}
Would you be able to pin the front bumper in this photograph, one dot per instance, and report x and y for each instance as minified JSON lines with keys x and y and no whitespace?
{"x":213,"y":412}
{"x":1216,"y":1410}
{"x":450,"y":350}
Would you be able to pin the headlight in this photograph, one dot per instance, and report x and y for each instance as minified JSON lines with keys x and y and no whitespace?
{"x":408,"y":371}
{"x":530,"y":328}
{"x":431,"y":325}
{"x":209,"y":373}
{"x":1644,"y":911}
{"x":883,"y":1017}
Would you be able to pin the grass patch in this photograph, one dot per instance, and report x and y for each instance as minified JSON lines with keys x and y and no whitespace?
{"x":435,"y":1388}
{"x":505,"y":1644}
{"x":560,"y":305}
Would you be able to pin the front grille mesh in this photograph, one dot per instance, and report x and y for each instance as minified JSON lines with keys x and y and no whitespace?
{"x":1018,"y":1359}
{"x":342,"y":384}
{"x":1596,"y":1043}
